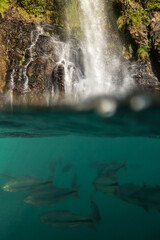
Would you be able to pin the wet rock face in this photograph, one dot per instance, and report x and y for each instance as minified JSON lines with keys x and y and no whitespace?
{"x":40,"y":74}
{"x":27,"y":55}
{"x":58,"y":79}
{"x":3,"y":65}
{"x":146,"y":82}
{"x":155,"y":34}
{"x":139,"y":25}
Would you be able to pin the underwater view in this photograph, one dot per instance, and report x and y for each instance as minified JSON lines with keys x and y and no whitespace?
{"x":80,"y":174}
{"x":80,"y":119}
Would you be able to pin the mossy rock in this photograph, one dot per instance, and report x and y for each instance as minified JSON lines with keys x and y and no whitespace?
{"x":3,"y":6}
{"x":143,"y":53}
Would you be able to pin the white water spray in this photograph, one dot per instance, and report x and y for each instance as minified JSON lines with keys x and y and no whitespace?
{"x":34,"y":40}
{"x":11,"y":86}
{"x":103,"y":69}
{"x":68,"y":58}
{"x":104,"y":73}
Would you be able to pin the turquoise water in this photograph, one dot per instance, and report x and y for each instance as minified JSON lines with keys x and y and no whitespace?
{"x":119,"y":219}
{"x":32,"y":139}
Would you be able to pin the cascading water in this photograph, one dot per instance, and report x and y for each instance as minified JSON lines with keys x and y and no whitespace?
{"x":82,"y":68}
{"x":67,"y":55}
{"x":23,"y":77}
{"x":34,"y":38}
{"x":104,"y":71}
{"x":11,"y":86}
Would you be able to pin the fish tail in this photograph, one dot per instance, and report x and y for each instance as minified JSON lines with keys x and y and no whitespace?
{"x":91,"y":224}
{"x":75,"y":192}
{"x":95,"y":211}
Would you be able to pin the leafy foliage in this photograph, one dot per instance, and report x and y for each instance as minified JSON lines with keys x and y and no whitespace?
{"x":143,"y":53}
{"x":152,"y":5}
{"x":132,"y":16}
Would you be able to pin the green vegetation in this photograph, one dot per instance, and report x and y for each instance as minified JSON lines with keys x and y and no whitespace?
{"x":134,"y":17}
{"x":62,"y":13}
{"x":143,"y":53}
{"x":3,"y":6}
{"x":72,"y":18}
{"x":45,"y":9}
{"x":151,"y":5}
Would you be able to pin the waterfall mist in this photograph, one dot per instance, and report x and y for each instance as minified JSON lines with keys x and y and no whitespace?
{"x":104,"y":71}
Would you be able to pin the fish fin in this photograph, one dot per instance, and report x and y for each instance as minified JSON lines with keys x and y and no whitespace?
{"x":92,"y":198}
{"x":75,"y":194}
{"x":125,"y":164}
{"x":74,"y":181}
{"x":91,"y":225}
{"x":7,"y":175}
{"x":49,"y":181}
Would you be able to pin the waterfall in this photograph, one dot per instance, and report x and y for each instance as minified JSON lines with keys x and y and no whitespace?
{"x":67,"y":55}
{"x":104,"y":72}
{"x":83,"y":67}
{"x":94,"y":46}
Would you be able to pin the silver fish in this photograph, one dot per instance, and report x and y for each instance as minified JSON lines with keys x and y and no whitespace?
{"x":112,"y":168}
{"x":148,"y":197}
{"x":50,"y":195}
{"x":24,"y":184}
{"x":106,"y":184}
{"x":65,"y":219}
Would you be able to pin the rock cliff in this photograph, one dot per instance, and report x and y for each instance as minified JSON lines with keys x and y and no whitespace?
{"x":29,"y":57}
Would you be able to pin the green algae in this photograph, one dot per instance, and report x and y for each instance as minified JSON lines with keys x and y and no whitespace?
{"x":3,"y":6}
